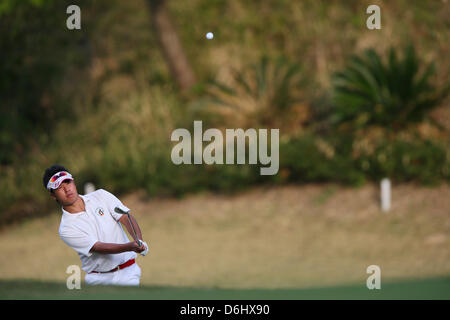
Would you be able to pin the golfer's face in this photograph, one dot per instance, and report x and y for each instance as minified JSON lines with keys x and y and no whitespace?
{"x":66,"y":194}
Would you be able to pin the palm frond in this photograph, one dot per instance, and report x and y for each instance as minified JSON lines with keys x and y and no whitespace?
{"x":397,"y":91}
{"x":261,"y":93}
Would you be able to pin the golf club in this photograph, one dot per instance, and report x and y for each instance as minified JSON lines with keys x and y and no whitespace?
{"x":118,"y":210}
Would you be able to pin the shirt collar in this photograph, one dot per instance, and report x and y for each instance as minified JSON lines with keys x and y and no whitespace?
{"x":85,"y":199}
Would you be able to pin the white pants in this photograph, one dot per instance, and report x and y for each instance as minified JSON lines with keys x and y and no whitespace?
{"x":128,"y":276}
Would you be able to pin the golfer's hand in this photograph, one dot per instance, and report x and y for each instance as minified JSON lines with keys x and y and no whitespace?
{"x":136,"y":247}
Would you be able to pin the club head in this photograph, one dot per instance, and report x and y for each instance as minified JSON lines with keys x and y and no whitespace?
{"x":118,"y":210}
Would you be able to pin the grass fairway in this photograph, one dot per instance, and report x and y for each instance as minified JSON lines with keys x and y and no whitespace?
{"x":281,"y":242}
{"x":435,"y":288}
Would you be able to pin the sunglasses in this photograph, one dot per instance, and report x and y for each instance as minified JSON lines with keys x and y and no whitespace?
{"x":59,"y":175}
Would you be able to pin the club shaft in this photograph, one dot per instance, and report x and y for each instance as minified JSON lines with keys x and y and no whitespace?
{"x":132,"y":227}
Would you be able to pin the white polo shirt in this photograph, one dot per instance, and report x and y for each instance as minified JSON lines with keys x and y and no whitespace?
{"x":99,"y":222}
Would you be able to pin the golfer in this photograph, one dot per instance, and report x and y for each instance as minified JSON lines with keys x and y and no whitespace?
{"x":91,"y":227}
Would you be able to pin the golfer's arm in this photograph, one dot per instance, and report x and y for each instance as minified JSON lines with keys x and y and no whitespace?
{"x":103,"y":247}
{"x":124,"y":220}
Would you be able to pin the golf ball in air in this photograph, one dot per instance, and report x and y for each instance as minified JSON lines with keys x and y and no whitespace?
{"x":209,"y":35}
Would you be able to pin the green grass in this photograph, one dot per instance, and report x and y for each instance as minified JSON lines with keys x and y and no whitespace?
{"x":427,"y":289}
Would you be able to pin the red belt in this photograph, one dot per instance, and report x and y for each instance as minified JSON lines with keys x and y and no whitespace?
{"x":119,"y":267}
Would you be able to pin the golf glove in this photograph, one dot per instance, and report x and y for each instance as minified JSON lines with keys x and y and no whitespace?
{"x":144,"y":253}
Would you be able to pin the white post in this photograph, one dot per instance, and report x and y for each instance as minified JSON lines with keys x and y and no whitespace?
{"x":89,"y":187}
{"x":385,"y":195}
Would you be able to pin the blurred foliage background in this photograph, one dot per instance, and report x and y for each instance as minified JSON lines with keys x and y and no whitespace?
{"x":353,"y":105}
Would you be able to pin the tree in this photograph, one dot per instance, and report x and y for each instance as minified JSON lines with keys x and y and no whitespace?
{"x":171,"y":45}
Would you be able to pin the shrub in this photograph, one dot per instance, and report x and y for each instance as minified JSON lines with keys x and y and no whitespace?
{"x":265,"y":94}
{"x":390,"y":94}
{"x":311,"y":159}
{"x":424,"y":161}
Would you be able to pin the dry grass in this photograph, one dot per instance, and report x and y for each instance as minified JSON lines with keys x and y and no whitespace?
{"x":278,"y":237}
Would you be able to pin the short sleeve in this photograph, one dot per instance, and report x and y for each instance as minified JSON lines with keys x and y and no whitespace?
{"x":79,"y":240}
{"x":112,"y":202}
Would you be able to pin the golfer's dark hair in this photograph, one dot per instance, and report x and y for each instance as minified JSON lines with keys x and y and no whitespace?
{"x":50,"y":171}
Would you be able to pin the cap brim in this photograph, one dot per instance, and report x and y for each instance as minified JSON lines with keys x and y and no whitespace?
{"x":57,"y":183}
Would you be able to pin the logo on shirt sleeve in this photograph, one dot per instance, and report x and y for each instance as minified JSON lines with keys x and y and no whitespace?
{"x":100,"y":211}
